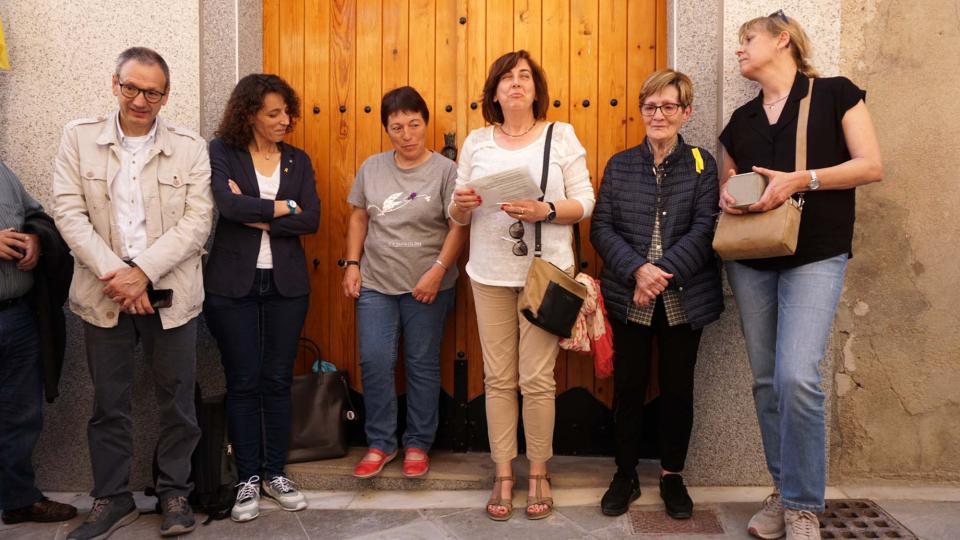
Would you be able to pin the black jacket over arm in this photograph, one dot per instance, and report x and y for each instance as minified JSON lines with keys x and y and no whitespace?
{"x":51,"y":286}
{"x":621,"y":229}
{"x":233,"y":257}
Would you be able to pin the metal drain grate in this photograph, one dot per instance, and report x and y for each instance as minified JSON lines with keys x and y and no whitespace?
{"x":859,"y":518}
{"x":658,"y":522}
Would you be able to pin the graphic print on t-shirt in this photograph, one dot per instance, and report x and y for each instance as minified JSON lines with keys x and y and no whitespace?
{"x":395,"y":202}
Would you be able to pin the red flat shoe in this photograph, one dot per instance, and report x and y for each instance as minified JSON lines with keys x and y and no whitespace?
{"x":415,"y":463}
{"x":373,"y":463}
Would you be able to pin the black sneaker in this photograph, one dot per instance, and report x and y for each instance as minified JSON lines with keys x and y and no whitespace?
{"x":107,"y":515}
{"x":623,"y":490}
{"x":675,"y":497}
{"x":42,"y":511}
{"x":177,"y":516}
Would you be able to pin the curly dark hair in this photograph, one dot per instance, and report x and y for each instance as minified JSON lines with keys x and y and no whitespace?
{"x":246,"y":99}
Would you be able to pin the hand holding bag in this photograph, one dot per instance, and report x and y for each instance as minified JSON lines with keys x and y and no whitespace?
{"x":767,"y":234}
{"x":321,"y":410}
{"x":551,"y":298}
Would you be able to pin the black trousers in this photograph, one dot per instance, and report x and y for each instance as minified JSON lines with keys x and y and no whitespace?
{"x":172,"y":355}
{"x":677,"y":345}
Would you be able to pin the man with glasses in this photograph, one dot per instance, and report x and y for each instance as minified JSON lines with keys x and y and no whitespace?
{"x":133,"y":202}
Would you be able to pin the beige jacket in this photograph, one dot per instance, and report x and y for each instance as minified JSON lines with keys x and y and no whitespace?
{"x":175,"y":183}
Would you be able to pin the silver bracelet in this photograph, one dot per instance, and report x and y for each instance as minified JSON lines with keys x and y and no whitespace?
{"x":442,"y":265}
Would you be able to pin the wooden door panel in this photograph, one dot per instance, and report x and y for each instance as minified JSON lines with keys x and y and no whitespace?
{"x":343,"y":133}
{"x":444,"y":122}
{"x":527,"y":21}
{"x":342,"y":55}
{"x":612,"y":107}
{"x":315,"y":96}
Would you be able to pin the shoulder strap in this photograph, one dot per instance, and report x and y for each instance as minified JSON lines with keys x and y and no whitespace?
{"x":544,"y":173}
{"x":697,"y":158}
{"x":803,"y":119}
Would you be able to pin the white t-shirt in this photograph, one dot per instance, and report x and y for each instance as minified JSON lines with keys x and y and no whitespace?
{"x":492,"y":261}
{"x":269,"y":185}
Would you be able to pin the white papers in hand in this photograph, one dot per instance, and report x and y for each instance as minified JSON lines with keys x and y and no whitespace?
{"x":506,"y":186}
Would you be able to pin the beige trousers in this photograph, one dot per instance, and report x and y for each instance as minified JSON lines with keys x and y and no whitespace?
{"x":516,"y":354}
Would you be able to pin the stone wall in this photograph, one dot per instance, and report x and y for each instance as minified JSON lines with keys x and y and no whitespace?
{"x":898,"y":386}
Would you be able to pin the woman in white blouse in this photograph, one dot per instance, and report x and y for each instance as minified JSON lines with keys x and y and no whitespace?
{"x":517,"y":354}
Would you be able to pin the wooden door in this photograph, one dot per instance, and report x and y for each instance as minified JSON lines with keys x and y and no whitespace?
{"x":342,"y":55}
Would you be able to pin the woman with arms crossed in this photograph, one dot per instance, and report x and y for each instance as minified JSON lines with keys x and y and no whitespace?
{"x":256,"y":279}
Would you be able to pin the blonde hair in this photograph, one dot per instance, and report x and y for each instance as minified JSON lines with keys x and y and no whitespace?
{"x":658,"y":80}
{"x":799,"y":46}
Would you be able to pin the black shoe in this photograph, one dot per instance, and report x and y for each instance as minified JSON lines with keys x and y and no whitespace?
{"x":107,"y":515}
{"x":177,"y":516}
{"x":42,"y":511}
{"x":623,"y":490}
{"x":675,"y":497}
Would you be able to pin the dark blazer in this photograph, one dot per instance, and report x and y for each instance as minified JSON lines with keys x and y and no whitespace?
{"x":621,"y":229}
{"x":233,"y":257}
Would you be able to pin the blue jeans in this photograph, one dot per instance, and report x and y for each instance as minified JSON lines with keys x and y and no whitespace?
{"x":257,"y":335}
{"x":380,"y":320}
{"x":20,"y":405}
{"x":786,"y":317}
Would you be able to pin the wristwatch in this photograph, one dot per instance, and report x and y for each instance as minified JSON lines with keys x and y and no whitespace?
{"x":343,"y":263}
{"x":552,"y":214}
{"x":292,"y":205}
{"x":814,"y":181}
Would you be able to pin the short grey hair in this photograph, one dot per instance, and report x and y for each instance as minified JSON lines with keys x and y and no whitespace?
{"x":144,"y":56}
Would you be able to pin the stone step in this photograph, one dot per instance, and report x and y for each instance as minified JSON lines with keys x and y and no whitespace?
{"x":453,"y":471}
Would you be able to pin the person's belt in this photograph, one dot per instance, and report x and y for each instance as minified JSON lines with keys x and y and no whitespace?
{"x":7,"y":304}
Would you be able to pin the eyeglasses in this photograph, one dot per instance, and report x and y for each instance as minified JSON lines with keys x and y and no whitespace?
{"x":516,"y":236}
{"x":781,"y":14}
{"x":130,"y":91}
{"x":668,"y":109}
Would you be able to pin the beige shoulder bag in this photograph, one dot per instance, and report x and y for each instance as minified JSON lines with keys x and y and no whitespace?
{"x":767,"y":234}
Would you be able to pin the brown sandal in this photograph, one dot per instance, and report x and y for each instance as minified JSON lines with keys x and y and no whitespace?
{"x":539,"y":498}
{"x":498,"y":500}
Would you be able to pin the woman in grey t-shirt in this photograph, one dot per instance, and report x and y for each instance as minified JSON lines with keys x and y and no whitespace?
{"x":401,"y":268}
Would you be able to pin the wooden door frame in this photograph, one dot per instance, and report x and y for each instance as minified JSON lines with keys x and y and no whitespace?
{"x":339,"y":98}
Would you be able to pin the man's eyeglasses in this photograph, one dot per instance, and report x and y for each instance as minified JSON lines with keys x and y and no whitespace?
{"x":130,"y":91}
{"x":516,"y":236}
{"x":780,"y":14}
{"x":668,"y":109}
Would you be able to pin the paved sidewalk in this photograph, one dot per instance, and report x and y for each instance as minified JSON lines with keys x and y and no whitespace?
{"x":930,"y":512}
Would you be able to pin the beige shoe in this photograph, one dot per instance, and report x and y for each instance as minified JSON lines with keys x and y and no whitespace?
{"x":768,"y":522}
{"x":801,"y":525}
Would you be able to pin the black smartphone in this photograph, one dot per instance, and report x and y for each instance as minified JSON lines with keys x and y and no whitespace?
{"x":160,"y":298}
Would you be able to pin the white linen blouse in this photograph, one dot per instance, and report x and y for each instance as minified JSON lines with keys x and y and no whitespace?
{"x":491,"y":260}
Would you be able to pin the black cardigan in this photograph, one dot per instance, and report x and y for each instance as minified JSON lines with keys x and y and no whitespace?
{"x":233,"y":258}
{"x":622,"y":227}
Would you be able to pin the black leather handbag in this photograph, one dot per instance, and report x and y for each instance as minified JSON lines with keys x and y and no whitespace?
{"x":551,"y":298}
{"x":321,"y":410}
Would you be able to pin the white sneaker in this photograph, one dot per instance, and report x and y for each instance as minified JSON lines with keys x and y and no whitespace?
{"x":768,"y":522}
{"x":247,"y":506}
{"x":801,"y":525}
{"x":282,"y":490}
